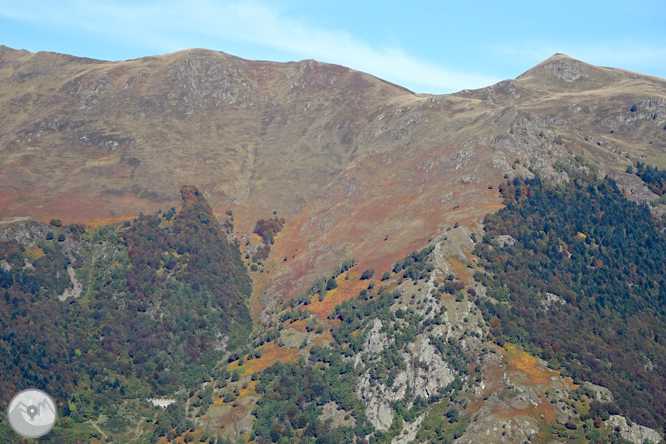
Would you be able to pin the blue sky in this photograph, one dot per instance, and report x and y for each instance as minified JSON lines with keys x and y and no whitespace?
{"x":427,"y":46}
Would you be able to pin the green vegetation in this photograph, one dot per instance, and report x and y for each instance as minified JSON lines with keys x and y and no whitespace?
{"x":294,"y":394}
{"x":605,"y":259}
{"x":347,"y":264}
{"x":652,"y":176}
{"x":331,"y":284}
{"x":157,"y":298}
{"x":415,"y":264}
{"x":367,"y":274}
{"x":266,"y":229}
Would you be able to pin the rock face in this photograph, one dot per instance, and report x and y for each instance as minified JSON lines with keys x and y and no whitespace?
{"x":602,"y":394}
{"x":639,"y":192}
{"x":379,"y":412}
{"x":30,"y":234}
{"x":565,"y":69}
{"x":76,"y":289}
{"x":513,"y":398}
{"x":634,"y":433}
{"x":493,"y":429}
{"x":409,"y":432}
{"x":503,"y":240}
{"x":425,"y":370}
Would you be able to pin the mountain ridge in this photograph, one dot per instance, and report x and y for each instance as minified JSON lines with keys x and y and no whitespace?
{"x":308,"y":140}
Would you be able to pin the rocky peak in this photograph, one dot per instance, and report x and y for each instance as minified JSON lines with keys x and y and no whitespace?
{"x":561,"y":72}
{"x":559,"y":66}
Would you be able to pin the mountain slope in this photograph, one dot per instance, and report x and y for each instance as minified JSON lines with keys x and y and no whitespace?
{"x":133,"y":311}
{"x":87,"y":139}
{"x":357,"y":168}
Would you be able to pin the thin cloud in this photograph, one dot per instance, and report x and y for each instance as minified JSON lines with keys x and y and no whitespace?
{"x":169,"y":26}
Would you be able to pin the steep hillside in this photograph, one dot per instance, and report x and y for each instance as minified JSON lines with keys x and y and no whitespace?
{"x":358,"y":206}
{"x":133,"y":311}
{"x":356,"y":165}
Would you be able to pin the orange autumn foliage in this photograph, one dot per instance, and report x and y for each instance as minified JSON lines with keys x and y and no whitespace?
{"x":347,"y":289}
{"x":522,"y":361}
{"x":270,"y":353}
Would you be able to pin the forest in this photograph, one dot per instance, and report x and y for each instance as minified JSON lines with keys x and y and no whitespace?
{"x":583,"y":286}
{"x":163,"y":296}
{"x":576,"y":278}
{"x":653,"y":177}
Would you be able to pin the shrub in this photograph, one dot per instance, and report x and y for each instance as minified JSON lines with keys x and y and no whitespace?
{"x":267,"y":229}
{"x":367,"y":274}
{"x":331,"y":284}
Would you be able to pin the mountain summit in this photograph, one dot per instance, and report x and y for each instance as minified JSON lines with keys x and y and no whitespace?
{"x":86,"y":139}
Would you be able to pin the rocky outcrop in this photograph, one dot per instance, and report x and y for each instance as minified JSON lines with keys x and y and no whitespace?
{"x":409,"y":431}
{"x":634,"y":433}
{"x":337,"y":416}
{"x":292,"y":338}
{"x":492,"y":429}
{"x":379,"y":412}
{"x":549,"y":299}
{"x":601,"y":394}
{"x":568,"y":70}
{"x":504,"y":240}
{"x":76,"y":289}
{"x":426,"y":369}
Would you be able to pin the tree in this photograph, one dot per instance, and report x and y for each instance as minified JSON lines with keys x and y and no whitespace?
{"x":367,"y":274}
{"x":331,"y":284}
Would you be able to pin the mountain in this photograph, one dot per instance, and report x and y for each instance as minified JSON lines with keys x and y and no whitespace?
{"x":85,"y":139}
{"x":348,"y":167}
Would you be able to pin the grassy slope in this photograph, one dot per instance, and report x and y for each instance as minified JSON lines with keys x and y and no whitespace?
{"x":315,"y":142}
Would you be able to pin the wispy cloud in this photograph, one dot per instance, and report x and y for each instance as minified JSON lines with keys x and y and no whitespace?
{"x":172,"y":25}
